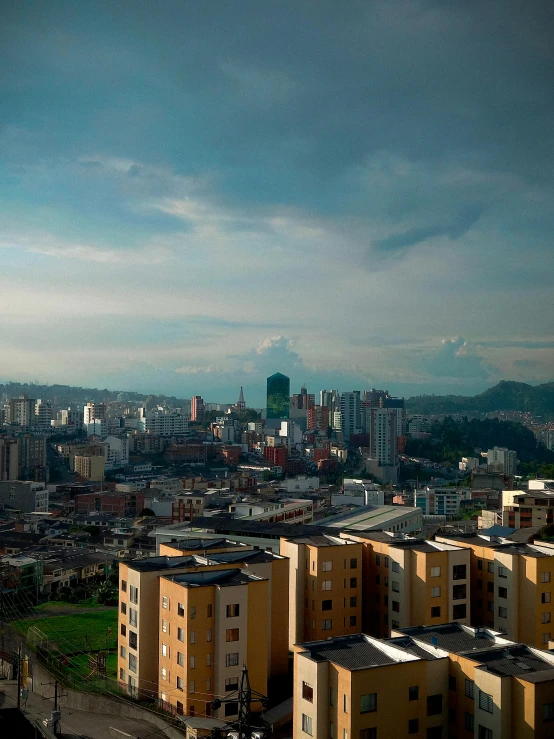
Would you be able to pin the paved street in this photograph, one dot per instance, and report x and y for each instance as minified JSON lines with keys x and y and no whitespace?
{"x":76,"y":724}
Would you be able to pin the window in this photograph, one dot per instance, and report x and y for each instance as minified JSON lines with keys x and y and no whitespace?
{"x":436,"y":592}
{"x":192,"y":662}
{"x":413,"y":693}
{"x":231,"y":659}
{"x":180,"y":609}
{"x":353,"y":601}
{"x":133,"y":594}
{"x":548,"y":712}
{"x":434,"y":704}
{"x":354,"y":563}
{"x":307,"y":692}
{"x":164,"y":673}
{"x":413,"y":726}
{"x":386,"y":561}
{"x":395,"y":567}
{"x":479,"y":564}
{"x":132,"y":663}
{"x":123,"y":630}
{"x":396,"y":606}
{"x":326,"y":585}
{"x":209,"y":635}
{"x":193,"y":611}
{"x":469,"y":722}
{"x":546,"y":637}
{"x":435,"y":612}
{"x":209,"y":659}
{"x":395,"y":624}
{"x":546,"y":617}
{"x":180,"y":708}
{"x":469,"y":689}
{"x":502,"y":572}
{"x":180,"y":634}
{"x":352,"y":620}
{"x":459,"y":572}
{"x":193,"y":637}
{"x":124,"y":586}
{"x":368,"y":703}
{"x":307,"y":724}
{"x":327,"y":624}
{"x":368,"y":733}
{"x":192,"y":686}
{"x":353,"y":582}
{"x":459,"y":592}
{"x":133,"y":641}
{"x":231,"y":709}
{"x":485,"y":702}
{"x":133,"y":617}
{"x":395,"y":586}
{"x":164,"y":650}
{"x":484,"y":733}
{"x":164,"y":601}
{"x":121,"y":673}
{"x":545,"y":597}
{"x":233,"y":610}
{"x":123,"y":652}
{"x":435,"y":571}
{"x":502,"y":612}
{"x":231,"y":683}
{"x":180,"y":659}
{"x":209,"y":608}
{"x":545,"y":577}
{"x":459,"y":611}
{"x":326,"y":605}
{"x":345,"y":703}
{"x":490,"y":567}
{"x":378,"y":560}
{"x":451,"y":682}
{"x":180,"y":683}
{"x":490,"y":606}
{"x":231,"y":635}
{"x":327,"y":566}
{"x":124,"y":608}
{"x":503,"y":593}
{"x":164,"y":626}
{"x":331,"y":730}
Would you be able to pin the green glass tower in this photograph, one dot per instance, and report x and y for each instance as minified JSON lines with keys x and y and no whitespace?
{"x":278,"y":392}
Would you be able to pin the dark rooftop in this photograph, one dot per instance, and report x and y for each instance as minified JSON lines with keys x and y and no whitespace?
{"x":450,"y":637}
{"x":356,"y":652}
{"x":222,"y":578}
{"x":265,"y":529}
{"x":514,"y":660}
{"x":405,"y":642}
{"x":203,"y":545}
{"x":153,"y":564}
{"x":252,"y":556}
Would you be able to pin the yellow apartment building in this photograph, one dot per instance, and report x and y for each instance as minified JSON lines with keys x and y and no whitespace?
{"x":512,"y":586}
{"x":325,"y":587}
{"x":427,"y":682}
{"x":139,"y":597}
{"x":524,"y":510}
{"x":410,"y":581}
{"x":211,"y":623}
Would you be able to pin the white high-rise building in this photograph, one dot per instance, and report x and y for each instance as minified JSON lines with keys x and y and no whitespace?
{"x":43,"y":414}
{"x":94,"y":412}
{"x":504,"y":459}
{"x":165,"y":422}
{"x":350,"y":412}
{"x":382,"y":435}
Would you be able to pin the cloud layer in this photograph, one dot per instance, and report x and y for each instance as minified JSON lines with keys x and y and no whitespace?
{"x":362,"y":184}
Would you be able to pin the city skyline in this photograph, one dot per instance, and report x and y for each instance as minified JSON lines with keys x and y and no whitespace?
{"x":196,"y":197}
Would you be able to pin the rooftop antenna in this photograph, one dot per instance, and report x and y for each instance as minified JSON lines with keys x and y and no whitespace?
{"x":241,"y":405}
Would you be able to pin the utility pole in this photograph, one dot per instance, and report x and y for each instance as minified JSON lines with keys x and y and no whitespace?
{"x":244,"y":727}
{"x":19,"y":678}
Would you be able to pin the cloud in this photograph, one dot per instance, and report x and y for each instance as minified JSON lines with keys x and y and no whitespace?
{"x":457,"y":360}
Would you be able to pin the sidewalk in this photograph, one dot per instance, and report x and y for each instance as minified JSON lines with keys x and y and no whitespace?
{"x":76,"y":724}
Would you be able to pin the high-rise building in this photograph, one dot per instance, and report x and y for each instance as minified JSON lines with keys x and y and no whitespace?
{"x":278,"y":393}
{"x":32,"y":462}
{"x":196,"y":408}
{"x":163,"y":421}
{"x":9,"y":458}
{"x":94,"y":412}
{"x":318,"y":418}
{"x":43,"y":414}
{"x":350,"y":413}
{"x":503,"y":459}
{"x":21,"y":411}
{"x":382,"y":435}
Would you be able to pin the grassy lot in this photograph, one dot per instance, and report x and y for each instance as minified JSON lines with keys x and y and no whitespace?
{"x":58,"y":605}
{"x":75,"y":632}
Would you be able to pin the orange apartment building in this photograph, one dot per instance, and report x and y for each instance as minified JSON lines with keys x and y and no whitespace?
{"x":512,"y":586}
{"x":325,"y":587}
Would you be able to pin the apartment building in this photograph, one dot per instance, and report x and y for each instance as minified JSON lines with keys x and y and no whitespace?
{"x":511,"y":586}
{"x":27,"y":497}
{"x":325,"y":587}
{"x":441,"y":501}
{"x":89,"y":467}
{"x":445,"y":681}
{"x":410,"y":581}
{"x":211,"y":624}
{"x":522,"y":510}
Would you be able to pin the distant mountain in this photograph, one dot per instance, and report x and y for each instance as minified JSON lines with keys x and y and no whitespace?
{"x":506,"y":396}
{"x":67,"y":394}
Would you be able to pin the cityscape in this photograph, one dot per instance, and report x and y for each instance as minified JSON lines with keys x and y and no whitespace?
{"x":276,"y":369}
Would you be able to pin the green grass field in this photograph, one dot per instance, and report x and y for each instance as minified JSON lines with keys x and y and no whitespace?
{"x":75,"y":632}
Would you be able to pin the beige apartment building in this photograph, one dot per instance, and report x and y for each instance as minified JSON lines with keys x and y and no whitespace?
{"x":512,"y":586}
{"x":522,"y":510}
{"x":89,"y":467}
{"x":325,"y":587}
{"x":427,"y":682}
{"x":411,"y":581}
{"x":212,"y":623}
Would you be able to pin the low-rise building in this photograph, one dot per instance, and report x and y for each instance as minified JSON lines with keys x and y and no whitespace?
{"x":24,"y":496}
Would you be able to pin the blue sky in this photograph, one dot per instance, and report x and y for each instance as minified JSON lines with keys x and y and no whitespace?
{"x":195,"y":195}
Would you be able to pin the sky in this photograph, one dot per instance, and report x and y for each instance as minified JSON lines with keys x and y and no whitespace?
{"x":194,"y":195}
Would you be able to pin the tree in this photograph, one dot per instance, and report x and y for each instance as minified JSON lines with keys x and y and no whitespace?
{"x":147,"y":512}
